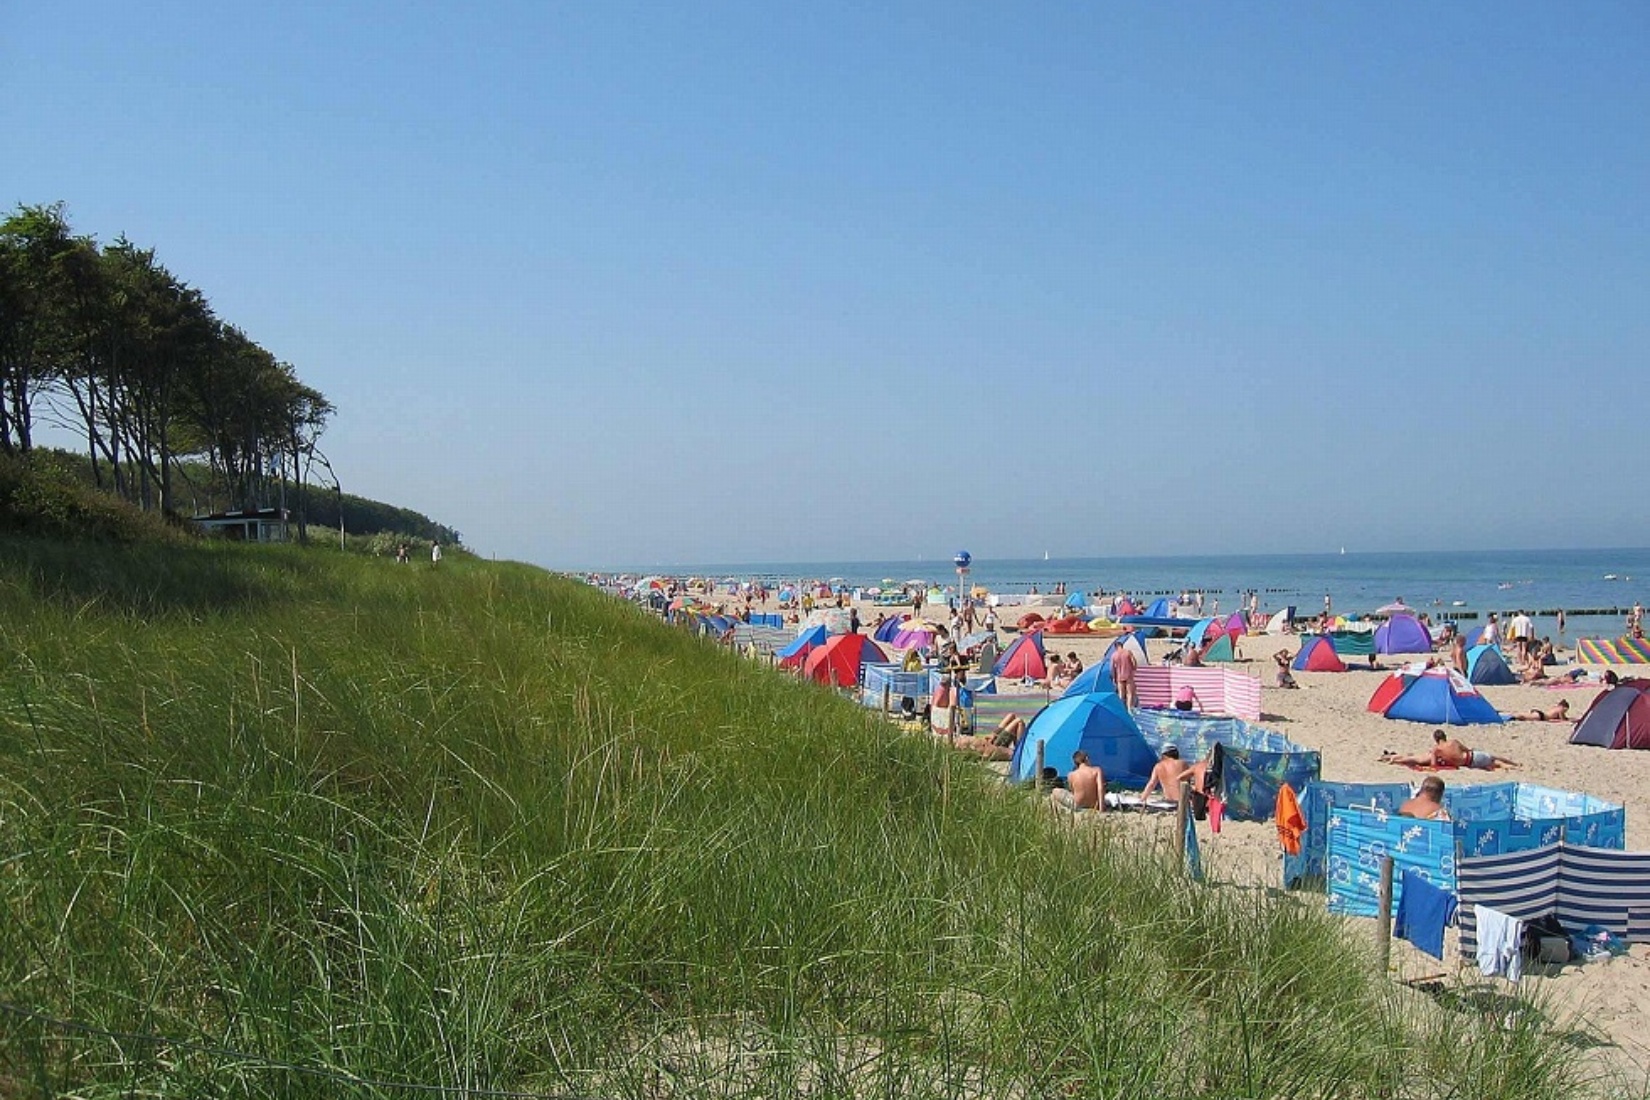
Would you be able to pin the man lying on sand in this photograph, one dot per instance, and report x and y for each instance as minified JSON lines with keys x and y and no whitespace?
{"x":998,"y":746}
{"x":1449,"y":753}
{"x":1560,"y":713}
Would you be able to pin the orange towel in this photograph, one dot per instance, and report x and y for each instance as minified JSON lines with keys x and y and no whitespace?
{"x":1291,"y":825}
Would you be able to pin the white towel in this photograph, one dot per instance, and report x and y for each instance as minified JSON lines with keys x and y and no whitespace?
{"x":1500,"y":943}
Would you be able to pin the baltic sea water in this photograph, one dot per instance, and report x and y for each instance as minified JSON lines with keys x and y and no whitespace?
{"x":1470,"y":583}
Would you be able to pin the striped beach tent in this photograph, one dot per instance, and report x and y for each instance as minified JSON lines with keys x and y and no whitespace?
{"x":1583,"y":887}
{"x":1613,"y":651}
{"x":1520,"y":884}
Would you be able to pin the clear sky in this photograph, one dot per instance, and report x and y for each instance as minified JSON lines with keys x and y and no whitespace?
{"x":610,"y":283}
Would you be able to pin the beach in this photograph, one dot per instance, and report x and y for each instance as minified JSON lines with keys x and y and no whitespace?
{"x":1327,"y":712}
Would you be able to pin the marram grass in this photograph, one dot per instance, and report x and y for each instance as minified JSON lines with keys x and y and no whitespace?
{"x":478,"y":827}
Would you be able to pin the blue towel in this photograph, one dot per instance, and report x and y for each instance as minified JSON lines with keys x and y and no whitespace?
{"x":1423,"y":911}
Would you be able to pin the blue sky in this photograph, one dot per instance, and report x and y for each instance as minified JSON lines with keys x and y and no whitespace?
{"x":604,"y":284}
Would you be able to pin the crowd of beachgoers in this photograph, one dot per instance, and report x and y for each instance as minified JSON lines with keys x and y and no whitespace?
{"x":1327,"y":712}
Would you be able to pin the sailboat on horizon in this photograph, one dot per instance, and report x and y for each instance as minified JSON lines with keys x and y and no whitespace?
{"x":1045,"y":555}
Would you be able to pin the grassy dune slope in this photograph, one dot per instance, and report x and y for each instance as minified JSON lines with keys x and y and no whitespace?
{"x":479,"y":827}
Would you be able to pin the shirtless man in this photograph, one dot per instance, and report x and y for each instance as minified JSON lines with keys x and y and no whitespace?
{"x":998,"y":745}
{"x":1560,"y":713}
{"x":1169,"y":771}
{"x":1123,"y":666}
{"x":1447,"y":752}
{"x":1428,"y":803}
{"x":1083,"y":787}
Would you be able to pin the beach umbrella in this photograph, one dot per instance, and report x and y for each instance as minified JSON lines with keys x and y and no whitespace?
{"x":1397,"y":607}
{"x":914,"y":634}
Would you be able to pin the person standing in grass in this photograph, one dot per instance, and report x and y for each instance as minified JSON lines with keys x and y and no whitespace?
{"x":435,"y":553}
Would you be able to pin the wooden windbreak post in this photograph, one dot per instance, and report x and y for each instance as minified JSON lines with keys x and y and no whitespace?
{"x":1181,"y":809}
{"x":1383,"y":915}
{"x":887,"y":697}
{"x":1042,"y":751}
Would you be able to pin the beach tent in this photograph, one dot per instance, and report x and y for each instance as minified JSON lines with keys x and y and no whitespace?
{"x":1236,"y":624}
{"x":1436,"y":696}
{"x":1078,"y":600}
{"x":793,"y":655}
{"x":837,"y":662}
{"x":1202,"y":631}
{"x":1279,"y":623}
{"x":1100,"y":725}
{"x":1487,"y":665}
{"x":1097,"y":677}
{"x":1618,"y":718}
{"x":1613,"y":651}
{"x":1220,"y":650}
{"x":1159,"y":608}
{"x":886,"y":632}
{"x":1402,"y":634}
{"x":1318,"y":655}
{"x":1023,"y":659}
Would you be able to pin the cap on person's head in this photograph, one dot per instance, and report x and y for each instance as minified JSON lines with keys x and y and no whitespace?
{"x":1183,"y":695}
{"x":1171,"y":752}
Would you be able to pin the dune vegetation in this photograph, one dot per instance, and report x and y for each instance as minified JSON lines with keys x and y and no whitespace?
{"x":288,"y":822}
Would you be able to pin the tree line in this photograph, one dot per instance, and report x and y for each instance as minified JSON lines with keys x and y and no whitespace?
{"x":105,"y":341}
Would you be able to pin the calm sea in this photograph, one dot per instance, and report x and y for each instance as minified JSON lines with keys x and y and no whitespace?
{"x":1470,"y":583}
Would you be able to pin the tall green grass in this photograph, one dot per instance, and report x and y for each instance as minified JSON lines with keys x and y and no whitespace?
{"x":475,"y":826}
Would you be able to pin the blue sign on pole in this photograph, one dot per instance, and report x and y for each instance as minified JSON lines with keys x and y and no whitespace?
{"x":962,"y":559}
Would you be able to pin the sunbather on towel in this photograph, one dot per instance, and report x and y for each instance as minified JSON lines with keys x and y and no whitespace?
{"x":1447,"y":752}
{"x":1560,"y":713}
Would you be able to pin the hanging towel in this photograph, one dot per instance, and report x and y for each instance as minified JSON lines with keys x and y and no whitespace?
{"x":1291,"y":825}
{"x":1194,"y":858}
{"x":1500,"y":943}
{"x":1423,"y":912}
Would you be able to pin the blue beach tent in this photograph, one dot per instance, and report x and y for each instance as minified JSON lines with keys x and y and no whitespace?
{"x":1487,"y":665}
{"x":797,"y":651}
{"x":886,"y":632}
{"x":1403,"y":634}
{"x":1097,"y":723}
{"x":1442,"y":698}
{"x":1097,"y":677}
